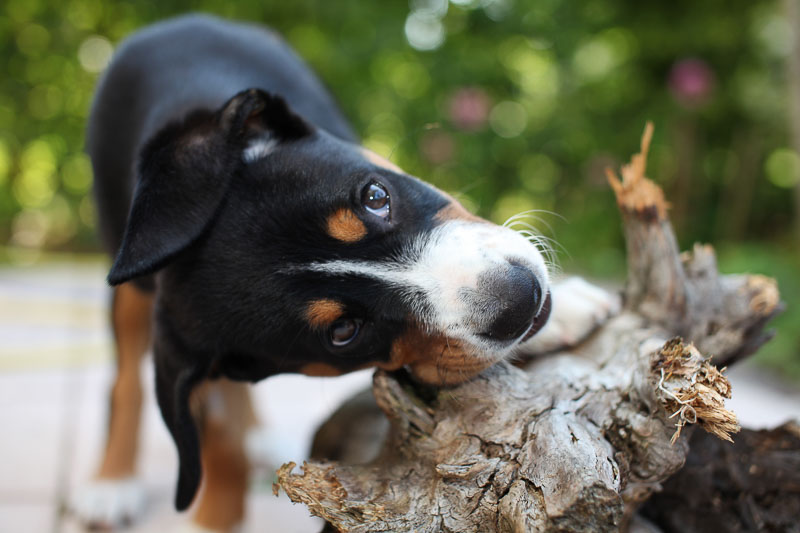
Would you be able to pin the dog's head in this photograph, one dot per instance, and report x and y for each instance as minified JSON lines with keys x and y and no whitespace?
{"x":284,"y":249}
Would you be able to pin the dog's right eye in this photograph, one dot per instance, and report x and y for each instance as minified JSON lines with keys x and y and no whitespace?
{"x":375,"y":199}
{"x":344,"y":331}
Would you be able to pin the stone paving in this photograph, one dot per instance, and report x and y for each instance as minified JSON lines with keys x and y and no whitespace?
{"x":55,"y":370}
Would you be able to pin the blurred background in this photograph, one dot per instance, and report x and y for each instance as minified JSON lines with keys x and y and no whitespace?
{"x":511,"y":105}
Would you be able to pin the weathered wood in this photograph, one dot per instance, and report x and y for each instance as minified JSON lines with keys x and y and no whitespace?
{"x":750,"y":485}
{"x":578,"y":439}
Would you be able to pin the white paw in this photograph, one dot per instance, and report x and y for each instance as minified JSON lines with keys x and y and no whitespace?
{"x":109,"y":503}
{"x":578,"y":309}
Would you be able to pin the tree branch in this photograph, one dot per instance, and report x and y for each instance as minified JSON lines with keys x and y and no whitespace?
{"x":578,"y":439}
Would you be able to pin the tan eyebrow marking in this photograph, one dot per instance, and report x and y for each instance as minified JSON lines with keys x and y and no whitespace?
{"x":345,"y":226}
{"x":323,"y":312}
{"x":455,"y":211}
{"x":380,"y":161}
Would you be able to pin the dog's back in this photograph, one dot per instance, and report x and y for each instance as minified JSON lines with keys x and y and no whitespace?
{"x":166,"y":71}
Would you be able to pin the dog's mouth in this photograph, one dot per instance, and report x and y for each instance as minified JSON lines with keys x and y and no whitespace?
{"x":450,"y":362}
{"x":540,"y":319}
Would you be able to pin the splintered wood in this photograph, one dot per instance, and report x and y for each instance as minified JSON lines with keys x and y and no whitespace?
{"x":635,"y":192}
{"x":694,"y":390}
{"x":576,"y":440}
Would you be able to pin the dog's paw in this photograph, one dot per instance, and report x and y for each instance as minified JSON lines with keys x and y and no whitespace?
{"x":109,"y":503}
{"x":578,"y":309}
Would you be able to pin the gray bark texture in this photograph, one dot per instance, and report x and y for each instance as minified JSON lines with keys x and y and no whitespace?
{"x":574,"y":440}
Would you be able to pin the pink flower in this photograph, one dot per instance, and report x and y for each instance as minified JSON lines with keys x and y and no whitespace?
{"x":468,"y":108}
{"x":691,"y":82}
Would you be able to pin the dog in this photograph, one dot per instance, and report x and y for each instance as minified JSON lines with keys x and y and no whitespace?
{"x":252,"y":236}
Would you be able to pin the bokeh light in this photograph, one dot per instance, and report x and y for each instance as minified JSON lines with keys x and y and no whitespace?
{"x":508,"y":119}
{"x":538,"y":173}
{"x":76,"y":174}
{"x":32,"y":39}
{"x":36,"y":182}
{"x":95,"y":53}
{"x":5,"y":163}
{"x":424,"y":31}
{"x":468,"y":108}
{"x":783,"y":168}
{"x":598,"y":56}
{"x":691,"y":82}
{"x":508,"y":104}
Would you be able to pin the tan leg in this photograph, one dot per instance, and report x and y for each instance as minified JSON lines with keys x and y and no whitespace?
{"x":131,"y":315}
{"x":227,"y":413}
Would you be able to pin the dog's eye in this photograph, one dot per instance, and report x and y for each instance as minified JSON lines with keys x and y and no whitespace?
{"x":375,"y":199}
{"x":344,"y":331}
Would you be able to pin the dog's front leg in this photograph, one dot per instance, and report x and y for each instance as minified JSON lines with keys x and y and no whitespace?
{"x":578,"y":308}
{"x":115,"y":496}
{"x":225,"y":415}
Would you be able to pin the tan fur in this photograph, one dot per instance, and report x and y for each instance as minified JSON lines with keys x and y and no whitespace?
{"x":379,"y":161}
{"x":434,"y":359}
{"x":345,"y":226}
{"x":226,"y":413}
{"x":223,"y":409}
{"x":320,"y":370}
{"x":131,"y":312}
{"x":456,"y":211}
{"x":322,"y":313}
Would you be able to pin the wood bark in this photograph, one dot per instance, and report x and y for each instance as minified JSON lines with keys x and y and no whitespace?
{"x":577,"y":439}
{"x":750,"y":485}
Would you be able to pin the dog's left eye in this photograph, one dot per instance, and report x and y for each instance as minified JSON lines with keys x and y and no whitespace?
{"x":375,"y":199}
{"x":344,"y":331}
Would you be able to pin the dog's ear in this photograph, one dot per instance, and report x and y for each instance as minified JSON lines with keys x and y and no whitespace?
{"x":185,"y":172}
{"x":175,"y":381}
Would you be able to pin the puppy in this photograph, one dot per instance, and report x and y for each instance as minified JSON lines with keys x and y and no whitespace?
{"x":253,"y":236}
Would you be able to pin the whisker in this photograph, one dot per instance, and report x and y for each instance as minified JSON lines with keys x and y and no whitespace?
{"x":547,"y":246}
{"x":522,"y":219}
{"x":532,"y":230}
{"x":525,"y":222}
{"x":542,"y":211}
{"x":544,"y":240}
{"x":533,"y":213}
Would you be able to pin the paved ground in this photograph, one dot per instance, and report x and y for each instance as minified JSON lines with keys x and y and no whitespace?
{"x":55,"y":371}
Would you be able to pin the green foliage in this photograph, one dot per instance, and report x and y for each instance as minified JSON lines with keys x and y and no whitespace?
{"x":511,"y":105}
{"x":782,"y":352}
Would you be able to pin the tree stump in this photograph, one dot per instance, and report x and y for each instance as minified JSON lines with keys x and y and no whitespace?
{"x":577,"y":439}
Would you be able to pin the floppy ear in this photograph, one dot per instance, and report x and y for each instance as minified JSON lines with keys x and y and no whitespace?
{"x":185,"y":172}
{"x":175,"y":381}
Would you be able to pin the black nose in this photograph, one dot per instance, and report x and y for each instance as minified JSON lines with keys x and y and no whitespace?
{"x":519,"y":296}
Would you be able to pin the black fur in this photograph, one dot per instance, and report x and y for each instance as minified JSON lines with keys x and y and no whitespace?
{"x":200,"y":154}
{"x":223,"y":241}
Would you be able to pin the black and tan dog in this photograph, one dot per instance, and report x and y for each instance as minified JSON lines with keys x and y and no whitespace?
{"x":253,"y":236}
